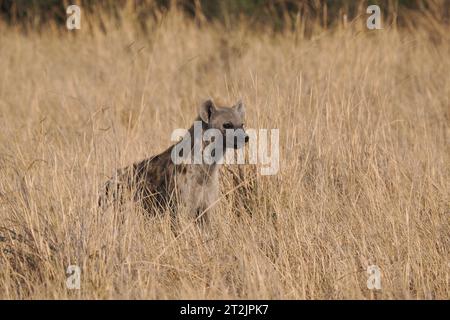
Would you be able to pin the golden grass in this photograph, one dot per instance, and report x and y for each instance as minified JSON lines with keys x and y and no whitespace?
{"x":364,"y":161}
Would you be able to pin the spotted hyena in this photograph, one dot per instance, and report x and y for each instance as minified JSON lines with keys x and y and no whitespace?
{"x":166,"y":182}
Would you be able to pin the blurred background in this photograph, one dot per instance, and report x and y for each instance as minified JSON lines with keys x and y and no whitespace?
{"x":276,"y":14}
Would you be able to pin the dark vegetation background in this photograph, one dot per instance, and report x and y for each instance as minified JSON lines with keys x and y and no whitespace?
{"x":278,"y":14}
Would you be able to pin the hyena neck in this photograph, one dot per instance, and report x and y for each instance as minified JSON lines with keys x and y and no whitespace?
{"x":205,"y":173}
{"x":204,"y":167}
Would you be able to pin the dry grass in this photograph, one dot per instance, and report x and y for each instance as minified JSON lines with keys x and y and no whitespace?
{"x":364,"y":167}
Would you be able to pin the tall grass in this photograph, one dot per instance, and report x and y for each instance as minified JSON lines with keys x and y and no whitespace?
{"x":364,"y":160}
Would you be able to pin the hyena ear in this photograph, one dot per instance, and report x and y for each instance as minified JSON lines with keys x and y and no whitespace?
{"x":240,"y":108}
{"x":207,"y":108}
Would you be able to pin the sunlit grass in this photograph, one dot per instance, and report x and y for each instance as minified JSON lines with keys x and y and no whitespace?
{"x":364,"y":166}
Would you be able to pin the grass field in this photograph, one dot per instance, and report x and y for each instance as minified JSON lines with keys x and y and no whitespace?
{"x":364,"y":160}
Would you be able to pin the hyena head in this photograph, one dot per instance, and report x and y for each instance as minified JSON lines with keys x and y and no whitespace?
{"x":228,"y":120}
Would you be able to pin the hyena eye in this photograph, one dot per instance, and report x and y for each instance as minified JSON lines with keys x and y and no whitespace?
{"x":228,"y":125}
